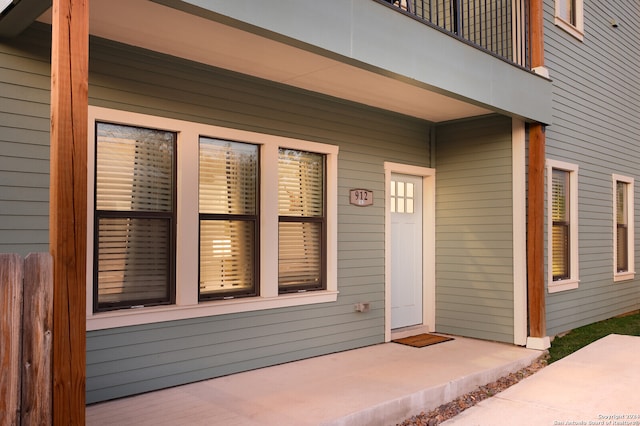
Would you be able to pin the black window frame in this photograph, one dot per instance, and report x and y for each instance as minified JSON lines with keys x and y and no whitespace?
{"x":622,"y":227}
{"x":565,"y":225}
{"x":322,"y":220}
{"x":255,"y":219}
{"x":169,"y":216}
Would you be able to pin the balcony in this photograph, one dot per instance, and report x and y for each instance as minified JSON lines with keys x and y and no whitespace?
{"x":497,"y":26}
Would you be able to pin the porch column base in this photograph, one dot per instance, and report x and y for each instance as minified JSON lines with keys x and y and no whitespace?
{"x":539,"y":343}
{"x":543,"y":71}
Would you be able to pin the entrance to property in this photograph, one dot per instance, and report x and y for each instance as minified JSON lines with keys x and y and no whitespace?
{"x":410,"y":289}
{"x":406,"y":250}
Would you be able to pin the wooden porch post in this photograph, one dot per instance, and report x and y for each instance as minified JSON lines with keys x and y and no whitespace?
{"x":535,"y":207}
{"x":68,"y":204}
{"x":535,"y":232}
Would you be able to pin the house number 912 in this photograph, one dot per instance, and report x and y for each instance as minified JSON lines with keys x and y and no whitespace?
{"x":361,"y":197}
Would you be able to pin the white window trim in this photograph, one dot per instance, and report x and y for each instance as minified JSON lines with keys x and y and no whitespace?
{"x":519,"y":188}
{"x":630,"y":274}
{"x":187,"y":305}
{"x":573,"y":281}
{"x":577,"y":30}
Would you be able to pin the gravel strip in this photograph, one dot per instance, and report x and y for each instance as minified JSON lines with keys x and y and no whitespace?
{"x":458,"y":405}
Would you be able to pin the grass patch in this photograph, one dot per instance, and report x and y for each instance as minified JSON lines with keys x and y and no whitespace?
{"x":581,"y":337}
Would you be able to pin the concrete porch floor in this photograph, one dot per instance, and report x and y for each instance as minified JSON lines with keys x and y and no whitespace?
{"x":376,"y":385}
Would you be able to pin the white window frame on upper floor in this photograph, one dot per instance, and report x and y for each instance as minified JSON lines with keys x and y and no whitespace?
{"x":576,"y":29}
{"x":629,"y":208}
{"x":574,"y":279}
{"x":187,"y":247}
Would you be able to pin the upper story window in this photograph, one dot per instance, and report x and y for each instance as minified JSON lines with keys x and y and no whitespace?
{"x":623,"y":233}
{"x":569,"y":16}
{"x":562,"y":198}
{"x":190,"y":220}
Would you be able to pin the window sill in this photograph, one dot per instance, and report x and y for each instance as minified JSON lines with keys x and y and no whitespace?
{"x":569,"y":28}
{"x":154,"y":314}
{"x":623,"y":276}
{"x":564,"y":285}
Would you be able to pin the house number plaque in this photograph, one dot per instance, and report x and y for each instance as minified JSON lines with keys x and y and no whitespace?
{"x":361,"y":197}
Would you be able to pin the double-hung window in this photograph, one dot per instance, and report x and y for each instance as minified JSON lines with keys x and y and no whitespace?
{"x":623,"y":233}
{"x":562,"y":223}
{"x":228,"y":199}
{"x":134,"y":216}
{"x":301,"y":227}
{"x":570,"y":17}
{"x":192,"y":220}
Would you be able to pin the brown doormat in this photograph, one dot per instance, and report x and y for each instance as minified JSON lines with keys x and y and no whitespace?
{"x":422,"y":340}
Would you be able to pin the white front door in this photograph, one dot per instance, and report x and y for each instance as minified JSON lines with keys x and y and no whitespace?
{"x":406,"y":250}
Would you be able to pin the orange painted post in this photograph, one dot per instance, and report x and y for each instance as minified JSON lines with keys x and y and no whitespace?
{"x":535,"y":204}
{"x":68,"y":204}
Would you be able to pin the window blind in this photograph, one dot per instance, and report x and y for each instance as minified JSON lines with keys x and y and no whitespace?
{"x":300,"y":183}
{"x":134,"y":169}
{"x":134,"y":215}
{"x":226,"y":255}
{"x":133,"y":259}
{"x":301,"y":229}
{"x":560,"y":227}
{"x":228,"y":199}
{"x":300,"y":254}
{"x":622,"y":257}
{"x":228,"y":177}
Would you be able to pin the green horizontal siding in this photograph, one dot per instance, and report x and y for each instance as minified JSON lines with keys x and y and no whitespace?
{"x":595,"y":126}
{"x":24,"y":145}
{"x":474,"y":229}
{"x":130,"y":360}
{"x":135,"y":359}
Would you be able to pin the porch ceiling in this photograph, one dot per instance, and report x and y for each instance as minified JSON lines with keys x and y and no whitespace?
{"x":265,"y":55}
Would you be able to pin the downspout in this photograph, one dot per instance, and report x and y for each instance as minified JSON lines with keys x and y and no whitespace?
{"x":535,"y":204}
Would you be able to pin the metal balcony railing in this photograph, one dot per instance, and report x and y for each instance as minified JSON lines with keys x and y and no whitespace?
{"x":498,"y":26}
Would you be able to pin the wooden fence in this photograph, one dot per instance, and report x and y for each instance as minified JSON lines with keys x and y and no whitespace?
{"x":26,"y":321}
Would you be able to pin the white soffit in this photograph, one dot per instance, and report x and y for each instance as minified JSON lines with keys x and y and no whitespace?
{"x":156,"y":27}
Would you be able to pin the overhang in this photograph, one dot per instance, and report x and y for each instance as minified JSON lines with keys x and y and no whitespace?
{"x":360,"y":51}
{"x":16,"y":15}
